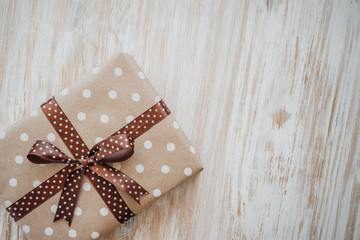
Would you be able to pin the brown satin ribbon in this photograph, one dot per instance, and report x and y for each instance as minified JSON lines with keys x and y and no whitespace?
{"x":91,"y":163}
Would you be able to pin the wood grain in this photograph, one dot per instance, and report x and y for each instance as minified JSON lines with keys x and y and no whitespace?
{"x":275,"y":93}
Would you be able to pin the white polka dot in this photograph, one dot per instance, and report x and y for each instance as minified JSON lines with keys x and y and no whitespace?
{"x":72,"y":233}
{"x":147,"y":144}
{"x":7,"y":203}
{"x":86,"y":93}
{"x":112,"y":94}
{"x":86,"y":187}
{"x":192,"y":149}
{"x":2,"y":135}
{"x":95,"y":70}
{"x":129,"y":118}
{"x":53,"y":208}
{"x":175,"y":124}
{"x":135,"y":97}
{"x":165,"y":169}
{"x":139,"y":168}
{"x":34,"y":113}
{"x":19,"y":159}
{"x":98,"y":139}
{"x":24,"y":137}
{"x":141,"y":75}
{"x":187,"y":171}
{"x":118,"y":71}
{"x":104,"y":211}
{"x":157,"y":192}
{"x":13,"y":182}
{"x":104,"y":118}
{"x":36,"y":183}
{"x":81,"y":116}
{"x":78,"y":211}
{"x":51,"y":137}
{"x":95,"y":235}
{"x":170,"y":147}
{"x":49,"y":231}
{"x":117,"y":165}
{"x":26,"y":228}
{"x":65,"y":91}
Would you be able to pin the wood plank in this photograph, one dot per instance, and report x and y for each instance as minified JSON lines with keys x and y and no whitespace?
{"x":275,"y":93}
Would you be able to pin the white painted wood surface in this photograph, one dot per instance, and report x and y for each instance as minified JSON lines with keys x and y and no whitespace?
{"x":275,"y":93}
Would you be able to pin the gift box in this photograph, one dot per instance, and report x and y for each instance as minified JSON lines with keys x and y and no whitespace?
{"x":113,"y":136}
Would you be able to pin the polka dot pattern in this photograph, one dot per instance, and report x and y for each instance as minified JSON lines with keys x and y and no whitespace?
{"x":145,"y":121}
{"x":165,"y":169}
{"x":112,"y":94}
{"x":39,"y":195}
{"x":141,"y":75}
{"x":139,"y":168}
{"x":104,"y":118}
{"x":187,"y":171}
{"x":170,"y":147}
{"x":68,"y":198}
{"x":95,"y":70}
{"x":119,"y":179}
{"x":26,"y":228}
{"x":51,"y":137}
{"x":118,"y":72}
{"x":64,"y":92}
{"x":95,"y":235}
{"x":19,"y":159}
{"x":176,"y":125}
{"x":24,"y":137}
{"x":2,"y":135}
{"x":78,"y":211}
{"x":157,"y":192}
{"x":86,"y":93}
{"x":12,"y":182}
{"x":72,"y":233}
{"x":49,"y":231}
{"x":147,"y":144}
{"x":64,"y":128}
{"x":129,"y":118}
{"x":86,"y":187}
{"x":7,"y":203}
{"x":87,"y":162}
{"x":81,"y":116}
{"x":53,"y":208}
{"x":115,"y":204}
{"x":135,"y":97}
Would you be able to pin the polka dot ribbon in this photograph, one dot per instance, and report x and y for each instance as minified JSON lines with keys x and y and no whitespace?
{"x":93,"y":163}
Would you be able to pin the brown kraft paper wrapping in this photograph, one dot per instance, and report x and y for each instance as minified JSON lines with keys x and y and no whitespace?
{"x":97,"y":106}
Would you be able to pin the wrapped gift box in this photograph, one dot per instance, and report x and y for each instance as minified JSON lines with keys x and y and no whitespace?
{"x":97,"y":106}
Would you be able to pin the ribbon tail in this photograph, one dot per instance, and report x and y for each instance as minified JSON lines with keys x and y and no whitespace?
{"x":39,"y":195}
{"x":111,"y":197}
{"x":120,"y":180}
{"x":69,"y":196}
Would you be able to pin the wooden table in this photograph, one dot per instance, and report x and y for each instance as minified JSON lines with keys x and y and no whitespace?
{"x":274,"y":90}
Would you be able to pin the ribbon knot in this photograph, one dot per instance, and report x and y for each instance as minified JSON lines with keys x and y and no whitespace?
{"x":86,"y":161}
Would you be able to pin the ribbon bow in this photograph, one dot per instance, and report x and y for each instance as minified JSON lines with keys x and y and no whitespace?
{"x":113,"y":149}
{"x":93,"y":163}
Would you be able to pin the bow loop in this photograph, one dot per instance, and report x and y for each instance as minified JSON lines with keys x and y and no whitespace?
{"x":116,"y":148}
{"x":43,"y":152}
